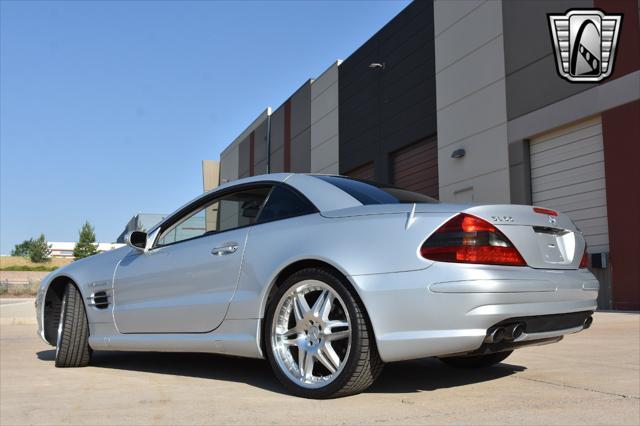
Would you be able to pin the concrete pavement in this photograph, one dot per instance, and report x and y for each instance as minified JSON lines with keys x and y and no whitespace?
{"x":17,"y":310}
{"x":589,"y":378}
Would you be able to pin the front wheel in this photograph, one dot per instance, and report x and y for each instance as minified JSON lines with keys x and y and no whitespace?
{"x":318,"y":339}
{"x":476,"y":361}
{"x":72,"y":346}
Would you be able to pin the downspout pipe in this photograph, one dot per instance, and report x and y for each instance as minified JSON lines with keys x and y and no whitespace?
{"x":268,"y":143}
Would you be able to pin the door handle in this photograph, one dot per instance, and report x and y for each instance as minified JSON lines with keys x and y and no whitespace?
{"x":227,"y":248}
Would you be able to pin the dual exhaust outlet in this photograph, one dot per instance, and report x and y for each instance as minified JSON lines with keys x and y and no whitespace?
{"x":512,"y":332}
{"x":507,"y":333}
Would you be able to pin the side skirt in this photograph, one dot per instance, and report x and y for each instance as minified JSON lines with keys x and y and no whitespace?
{"x":233,"y":337}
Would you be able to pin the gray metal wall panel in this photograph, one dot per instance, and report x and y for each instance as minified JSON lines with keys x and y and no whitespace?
{"x":234,"y":159}
{"x":260,"y":168}
{"x":260,"y":146}
{"x":301,"y":110}
{"x":243,"y":158}
{"x":277,"y":129}
{"x":301,"y":152}
{"x":301,"y":129}
{"x":229,"y":161}
{"x":324,"y":122}
{"x":277,"y":140}
{"x":383,"y":110}
{"x":520,"y":172}
{"x":532,"y":79}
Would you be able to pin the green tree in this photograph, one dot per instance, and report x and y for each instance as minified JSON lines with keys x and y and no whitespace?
{"x":86,"y":245}
{"x":24,"y":248}
{"x":40,"y":250}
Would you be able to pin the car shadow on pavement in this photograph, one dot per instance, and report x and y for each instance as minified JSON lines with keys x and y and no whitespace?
{"x":430,"y":374}
{"x":400,"y":377}
{"x":253,"y":372}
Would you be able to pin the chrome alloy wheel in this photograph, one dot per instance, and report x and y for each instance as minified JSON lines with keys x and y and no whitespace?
{"x":60,"y":324}
{"x":311,"y":334}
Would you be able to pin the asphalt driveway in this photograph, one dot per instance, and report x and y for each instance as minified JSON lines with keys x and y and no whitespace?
{"x":589,"y":378}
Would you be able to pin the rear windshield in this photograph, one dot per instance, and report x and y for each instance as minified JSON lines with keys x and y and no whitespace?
{"x":368,"y":192}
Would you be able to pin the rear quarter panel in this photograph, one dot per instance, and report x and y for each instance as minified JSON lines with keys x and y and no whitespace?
{"x":355,"y":245}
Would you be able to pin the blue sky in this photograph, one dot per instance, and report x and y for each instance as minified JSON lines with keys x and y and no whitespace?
{"x":107,"y":108}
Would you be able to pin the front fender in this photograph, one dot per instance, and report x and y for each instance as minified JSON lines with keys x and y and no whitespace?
{"x":85,"y":274}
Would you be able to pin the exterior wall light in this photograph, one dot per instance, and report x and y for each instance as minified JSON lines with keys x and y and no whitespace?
{"x":458,"y":153}
{"x":376,"y":65}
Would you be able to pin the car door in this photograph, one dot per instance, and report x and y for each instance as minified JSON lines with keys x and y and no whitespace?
{"x":185,"y":281}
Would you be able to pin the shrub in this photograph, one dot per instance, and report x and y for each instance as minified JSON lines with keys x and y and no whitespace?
{"x":24,"y":248}
{"x":40,"y":251}
{"x":86,"y":245}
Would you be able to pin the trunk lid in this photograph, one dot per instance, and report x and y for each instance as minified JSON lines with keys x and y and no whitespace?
{"x":372,"y":209}
{"x":544,"y":241}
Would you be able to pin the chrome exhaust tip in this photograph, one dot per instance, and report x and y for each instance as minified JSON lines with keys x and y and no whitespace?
{"x":587,"y":323}
{"x":517,"y":331}
{"x":514,"y":331}
{"x":496,"y":336}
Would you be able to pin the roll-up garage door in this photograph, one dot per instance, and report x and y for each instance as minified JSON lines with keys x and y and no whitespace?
{"x":567,"y":174}
{"x":416,"y":168}
{"x":363,"y":172}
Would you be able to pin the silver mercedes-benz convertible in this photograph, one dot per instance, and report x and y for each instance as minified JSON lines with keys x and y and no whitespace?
{"x":328,"y":278}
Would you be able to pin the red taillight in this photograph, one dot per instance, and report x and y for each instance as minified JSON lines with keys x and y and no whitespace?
{"x":584,"y":262}
{"x":545,"y":211}
{"x":469,"y":239}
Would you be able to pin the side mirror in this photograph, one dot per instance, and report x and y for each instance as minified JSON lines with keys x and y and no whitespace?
{"x":136,"y":239}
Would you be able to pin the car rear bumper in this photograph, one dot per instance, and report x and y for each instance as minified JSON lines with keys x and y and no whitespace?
{"x":448,"y":308}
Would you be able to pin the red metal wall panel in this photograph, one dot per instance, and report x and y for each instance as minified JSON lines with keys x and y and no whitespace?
{"x":621,"y":135}
{"x":627,"y":58}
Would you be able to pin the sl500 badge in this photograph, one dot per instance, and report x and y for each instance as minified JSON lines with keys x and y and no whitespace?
{"x":502,"y":218}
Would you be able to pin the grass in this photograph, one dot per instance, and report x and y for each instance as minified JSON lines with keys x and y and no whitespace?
{"x":27,"y":268}
{"x":28,"y":287}
{"x":7,"y":263}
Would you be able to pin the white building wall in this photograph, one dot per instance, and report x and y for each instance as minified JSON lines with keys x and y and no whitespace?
{"x":324,"y":122}
{"x":470,"y":84}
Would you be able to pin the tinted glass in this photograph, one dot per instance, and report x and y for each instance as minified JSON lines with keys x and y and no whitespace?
{"x":284,"y":203}
{"x":222,"y":214}
{"x":374,"y":193}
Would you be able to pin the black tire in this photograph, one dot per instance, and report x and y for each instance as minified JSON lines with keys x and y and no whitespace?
{"x":476,"y":361}
{"x":363,"y":364}
{"x":72,"y":346}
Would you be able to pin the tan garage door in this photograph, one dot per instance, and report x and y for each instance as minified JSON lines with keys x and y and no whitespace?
{"x":567,"y":174}
{"x":416,"y":168}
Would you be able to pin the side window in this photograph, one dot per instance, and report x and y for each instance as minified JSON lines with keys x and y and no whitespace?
{"x":221,"y":214}
{"x":284,"y":203}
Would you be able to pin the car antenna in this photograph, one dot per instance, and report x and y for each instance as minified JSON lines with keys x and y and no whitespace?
{"x":411,"y":218}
